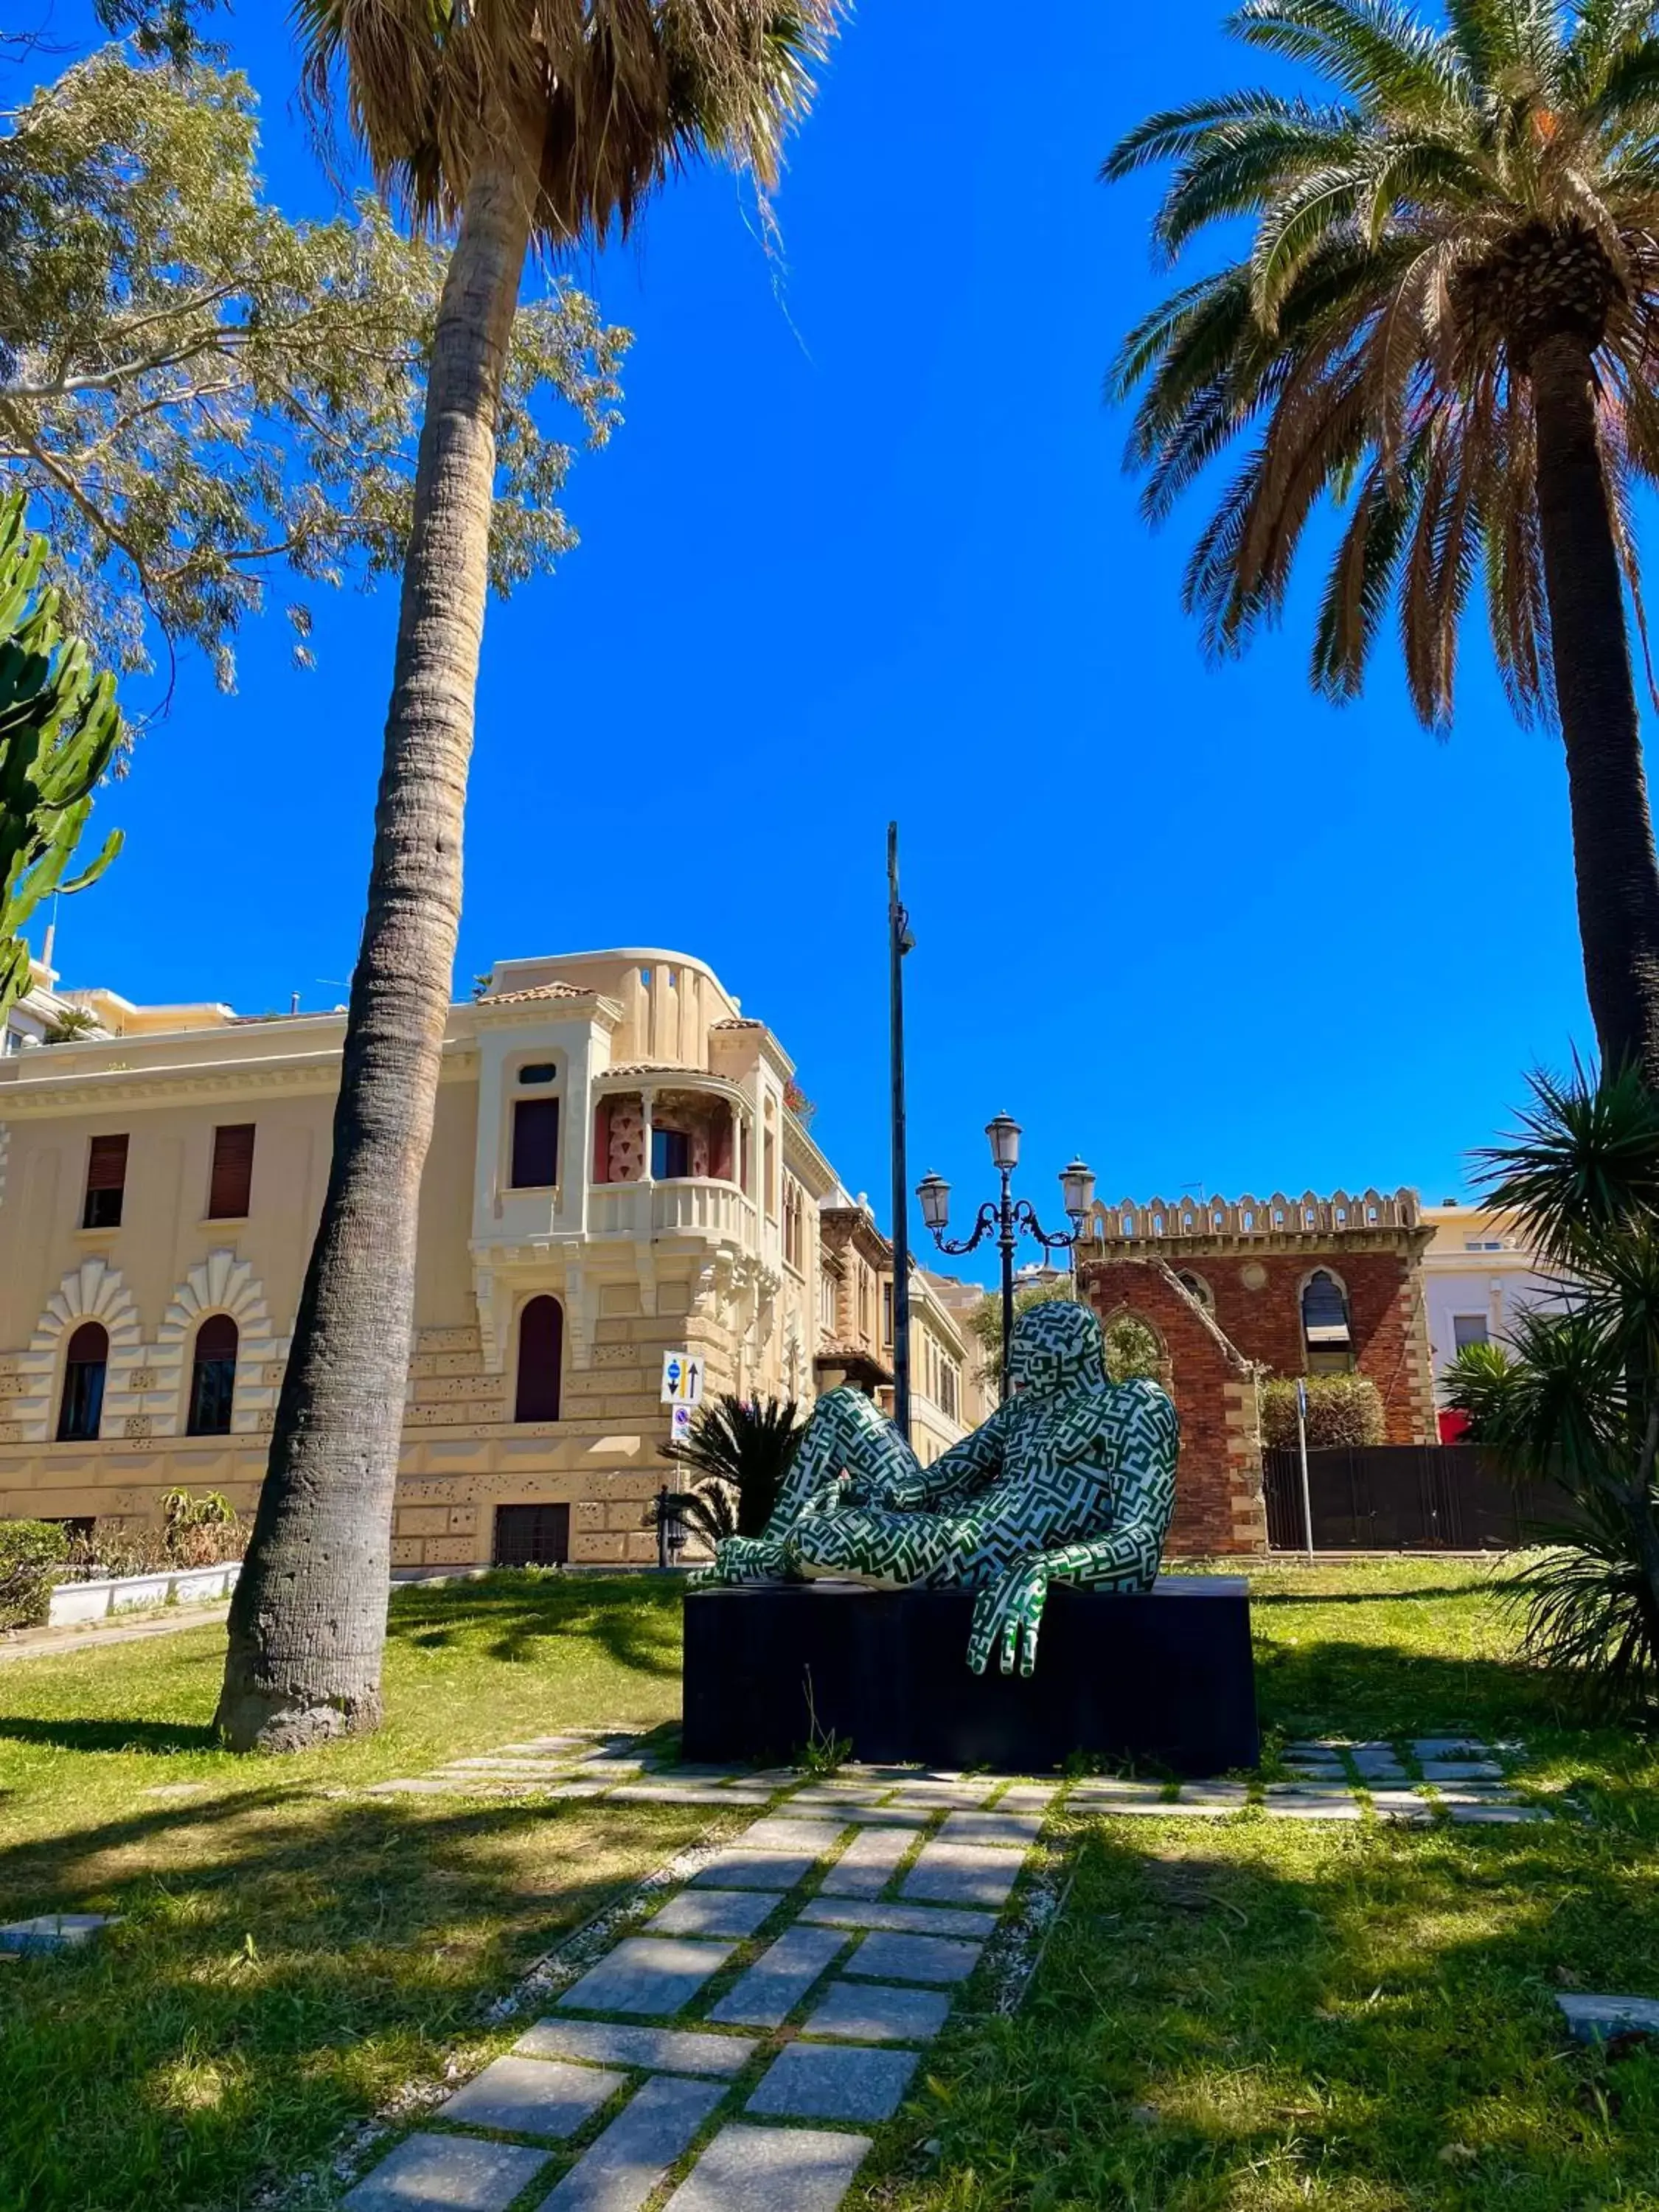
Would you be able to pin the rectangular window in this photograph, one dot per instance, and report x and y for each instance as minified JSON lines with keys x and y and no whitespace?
{"x":232,"y":1184}
{"x":1470,"y":1328}
{"x":670,"y":1155}
{"x":535,"y":1143}
{"x":532,"y":1535}
{"x":107,"y":1182}
{"x":887,"y":1313}
{"x":770,"y":1164}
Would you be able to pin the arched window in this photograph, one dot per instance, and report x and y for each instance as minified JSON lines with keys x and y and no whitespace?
{"x":541,"y":1357}
{"x":85,"y":1365}
{"x":1196,"y":1287}
{"x":213,"y":1378}
{"x":1325,"y":1332}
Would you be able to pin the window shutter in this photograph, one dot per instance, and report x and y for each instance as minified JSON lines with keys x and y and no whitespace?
{"x":231,"y":1187}
{"x":106,"y":1176}
{"x":535,"y":1143}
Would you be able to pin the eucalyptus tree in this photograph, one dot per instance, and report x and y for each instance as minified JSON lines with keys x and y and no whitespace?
{"x":1446,"y":323}
{"x":209,"y":403}
{"x":525,"y":123}
{"x":59,"y":729}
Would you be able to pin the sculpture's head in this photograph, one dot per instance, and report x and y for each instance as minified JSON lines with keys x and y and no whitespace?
{"x":1057,"y":1346}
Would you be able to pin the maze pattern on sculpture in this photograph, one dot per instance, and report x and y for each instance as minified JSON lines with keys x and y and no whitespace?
{"x":1071,"y":1479}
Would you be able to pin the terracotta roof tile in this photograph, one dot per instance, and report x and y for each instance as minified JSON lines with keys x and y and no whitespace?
{"x":536,"y":991}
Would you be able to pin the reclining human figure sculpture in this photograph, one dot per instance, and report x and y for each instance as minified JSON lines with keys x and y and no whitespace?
{"x":1072,"y":1479}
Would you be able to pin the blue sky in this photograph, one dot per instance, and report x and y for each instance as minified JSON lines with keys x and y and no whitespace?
{"x":864,"y":548}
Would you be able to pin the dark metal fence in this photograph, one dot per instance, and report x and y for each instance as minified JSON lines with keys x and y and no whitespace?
{"x":1405,"y":1497}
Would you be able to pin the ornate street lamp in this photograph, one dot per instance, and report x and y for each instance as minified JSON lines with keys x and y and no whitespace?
{"x":1009,"y":1217}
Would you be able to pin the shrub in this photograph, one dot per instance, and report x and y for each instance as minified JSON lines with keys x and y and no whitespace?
{"x":31,"y":1553}
{"x":1342,"y":1410}
{"x":194,"y":1532}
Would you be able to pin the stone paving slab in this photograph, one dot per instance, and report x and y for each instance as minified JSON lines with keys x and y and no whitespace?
{"x":885,"y":1957}
{"x":771,"y":2169}
{"x":622,"y":2167}
{"x":961,"y":1873}
{"x":855,"y":1814}
{"x":654,"y":2050}
{"x":1461,"y":1770}
{"x":738,"y":1868}
{"x":1401,"y":1805}
{"x":532,"y":2097}
{"x":55,"y":1931}
{"x":875,"y":2012}
{"x":903,"y":1919}
{"x":868,"y":1863}
{"x":1593,"y":2018}
{"x":768,"y":1992}
{"x":1027,"y":1796}
{"x":1287,"y":1809}
{"x":540,"y":1746}
{"x":816,"y":1837}
{"x":819,"y":2081}
{"x":655,"y":1974}
{"x":447,"y":2173}
{"x":1013,"y":1832}
{"x":714,"y":1912}
{"x":1495,"y":1816}
{"x":1449,"y":1747}
{"x":686,"y":1793}
{"x":950,"y":1794}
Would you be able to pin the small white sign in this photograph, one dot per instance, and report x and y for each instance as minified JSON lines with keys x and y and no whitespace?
{"x":681,"y":1378}
{"x":679,"y":1424}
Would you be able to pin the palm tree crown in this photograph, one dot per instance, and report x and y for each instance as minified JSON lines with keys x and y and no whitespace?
{"x":1474,"y":192}
{"x":596,"y":100}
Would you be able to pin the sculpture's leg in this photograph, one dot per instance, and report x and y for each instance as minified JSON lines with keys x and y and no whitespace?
{"x":1008,"y":1613}
{"x":848,"y":1433}
{"x":894,"y":1549}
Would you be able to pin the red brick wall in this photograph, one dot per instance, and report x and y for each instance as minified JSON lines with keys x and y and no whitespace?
{"x":1258,"y":1306}
{"x":1219,"y":1505}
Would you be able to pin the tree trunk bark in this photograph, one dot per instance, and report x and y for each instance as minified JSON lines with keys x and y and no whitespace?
{"x":1618,"y":875}
{"x":307,"y":1623}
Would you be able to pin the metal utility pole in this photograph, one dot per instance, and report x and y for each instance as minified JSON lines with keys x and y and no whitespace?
{"x":899,"y":942}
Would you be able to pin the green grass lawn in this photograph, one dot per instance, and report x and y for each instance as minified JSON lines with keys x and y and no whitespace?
{"x":1236,"y":2014}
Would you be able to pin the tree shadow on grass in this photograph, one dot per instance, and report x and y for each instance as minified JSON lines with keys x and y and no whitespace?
{"x":1364,"y":2015}
{"x":1391,"y":1689}
{"x":510,"y":1615}
{"x":283,"y":1967}
{"x":158,"y":1738}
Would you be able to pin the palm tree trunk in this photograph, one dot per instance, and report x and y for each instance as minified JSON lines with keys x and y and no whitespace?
{"x":308,"y":1623}
{"x":1612,"y":827}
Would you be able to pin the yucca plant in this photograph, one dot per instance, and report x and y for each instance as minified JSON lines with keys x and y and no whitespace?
{"x":1574,"y":1398}
{"x":743,"y":1446}
{"x":544,"y":124}
{"x":1447,"y":324}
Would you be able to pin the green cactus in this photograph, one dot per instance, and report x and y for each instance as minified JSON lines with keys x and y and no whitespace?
{"x":59,"y":729}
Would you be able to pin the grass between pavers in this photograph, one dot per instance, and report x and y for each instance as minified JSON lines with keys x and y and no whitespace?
{"x":289,"y":1958}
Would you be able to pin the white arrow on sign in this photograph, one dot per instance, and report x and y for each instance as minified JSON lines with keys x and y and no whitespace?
{"x":681,"y":1378}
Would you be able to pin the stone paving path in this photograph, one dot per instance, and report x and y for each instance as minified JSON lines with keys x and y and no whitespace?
{"x":780,"y":2002}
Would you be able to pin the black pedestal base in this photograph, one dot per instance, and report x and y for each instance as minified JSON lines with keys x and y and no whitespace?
{"x":1166,"y":1677}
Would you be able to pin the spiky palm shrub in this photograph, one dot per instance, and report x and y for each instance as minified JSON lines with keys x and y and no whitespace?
{"x":1574,"y":1398}
{"x":1446,"y":323}
{"x":59,"y":729}
{"x":746,"y":1445}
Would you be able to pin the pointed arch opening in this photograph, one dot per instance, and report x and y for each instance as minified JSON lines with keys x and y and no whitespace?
{"x":86,"y":1365}
{"x":541,"y":1360}
{"x":1327,"y":1337}
{"x":213,"y":1378}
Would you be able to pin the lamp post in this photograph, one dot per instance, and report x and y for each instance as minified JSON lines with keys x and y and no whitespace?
{"x":1009,"y":1217}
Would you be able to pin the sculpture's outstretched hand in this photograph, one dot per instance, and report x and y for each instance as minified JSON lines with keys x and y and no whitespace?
{"x":1007,"y":1615}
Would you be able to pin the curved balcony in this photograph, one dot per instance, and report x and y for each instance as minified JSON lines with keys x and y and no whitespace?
{"x":688,"y":1206}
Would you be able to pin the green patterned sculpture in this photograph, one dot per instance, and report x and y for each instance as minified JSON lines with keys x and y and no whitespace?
{"x":1072,"y":1479}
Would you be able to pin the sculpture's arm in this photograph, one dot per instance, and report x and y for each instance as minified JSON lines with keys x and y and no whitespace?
{"x":1145,"y":1440}
{"x":960,"y":1473}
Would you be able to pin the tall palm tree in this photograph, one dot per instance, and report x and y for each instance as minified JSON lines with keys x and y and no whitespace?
{"x":1448,"y":322}
{"x":521,"y":122}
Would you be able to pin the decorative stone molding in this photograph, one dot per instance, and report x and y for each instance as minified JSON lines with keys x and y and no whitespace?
{"x":5,"y":1146}
{"x":221,"y":1284}
{"x":93,"y":1292}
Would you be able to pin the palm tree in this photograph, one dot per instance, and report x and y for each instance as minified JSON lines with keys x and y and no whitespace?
{"x":523,"y":121}
{"x":744,"y":1445}
{"x":1448,"y":322}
